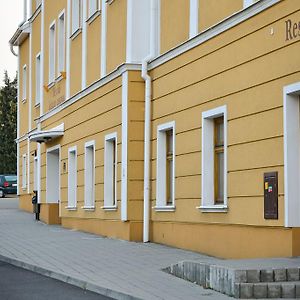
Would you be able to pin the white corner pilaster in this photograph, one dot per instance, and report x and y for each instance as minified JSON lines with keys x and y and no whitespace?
{"x":124,"y":146}
{"x":84,"y":45}
{"x":194,"y":18}
{"x":103,"y":38}
{"x":68,"y":50}
{"x":42,"y":58}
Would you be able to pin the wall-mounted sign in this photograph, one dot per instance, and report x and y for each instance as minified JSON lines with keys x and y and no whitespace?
{"x":292,"y":30}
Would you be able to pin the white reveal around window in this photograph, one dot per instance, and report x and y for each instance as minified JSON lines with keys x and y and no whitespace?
{"x":72,"y":178}
{"x":35,"y":172}
{"x":110,"y":171}
{"x":248,"y":3}
{"x":89,"y":175}
{"x":52,"y":52}
{"x":24,"y":83}
{"x":165,"y":174}
{"x":93,"y":7}
{"x":61,"y":43}
{"x":214,"y":160}
{"x":24,"y":173}
{"x":38,"y":79}
{"x":76,"y":15}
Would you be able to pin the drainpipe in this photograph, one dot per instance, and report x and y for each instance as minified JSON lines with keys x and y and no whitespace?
{"x":147,"y":130}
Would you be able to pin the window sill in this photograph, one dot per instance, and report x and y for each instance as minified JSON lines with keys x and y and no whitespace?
{"x":51,"y":84}
{"x":93,"y":17}
{"x":164,"y":208}
{"x":24,"y":101}
{"x":109,"y":208}
{"x":213,"y":208}
{"x":71,"y":208}
{"x":110,"y":1}
{"x":75,"y":33}
{"x":37,"y":105}
{"x":88,"y":208}
{"x":58,"y":78}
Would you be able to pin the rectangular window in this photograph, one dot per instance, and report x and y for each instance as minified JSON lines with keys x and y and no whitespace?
{"x":76,"y":15}
{"x":110,"y":171}
{"x":52,"y":53}
{"x":89,"y":175}
{"x":93,"y":7}
{"x":165,"y":176}
{"x":214,"y":159}
{"x":72,"y":178}
{"x":38,"y":79}
{"x":24,"y":173}
{"x":61,"y":43}
{"x":24,"y":89}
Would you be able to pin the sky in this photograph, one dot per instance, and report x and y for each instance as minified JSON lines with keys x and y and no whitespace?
{"x":11,"y":14}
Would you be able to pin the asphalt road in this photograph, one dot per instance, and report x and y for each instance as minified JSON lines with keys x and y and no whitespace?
{"x":20,"y":284}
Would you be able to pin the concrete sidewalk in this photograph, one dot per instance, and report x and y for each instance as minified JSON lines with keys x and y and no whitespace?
{"x":119,"y":269}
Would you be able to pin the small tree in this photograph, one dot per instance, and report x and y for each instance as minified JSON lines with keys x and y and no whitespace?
{"x":8,"y":126}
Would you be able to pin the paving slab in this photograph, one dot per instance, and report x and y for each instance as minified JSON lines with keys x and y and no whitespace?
{"x":116,"y":268}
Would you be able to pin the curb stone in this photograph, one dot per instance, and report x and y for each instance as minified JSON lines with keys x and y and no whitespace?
{"x":85,"y":285}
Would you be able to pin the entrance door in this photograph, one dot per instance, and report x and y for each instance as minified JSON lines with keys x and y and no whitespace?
{"x":53,"y":176}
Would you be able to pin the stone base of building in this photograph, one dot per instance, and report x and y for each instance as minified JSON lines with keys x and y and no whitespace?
{"x":130,"y":230}
{"x":49,"y":213}
{"x":229,"y":241}
{"x":25,"y":203}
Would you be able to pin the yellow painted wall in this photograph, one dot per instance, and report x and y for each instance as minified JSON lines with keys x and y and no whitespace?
{"x":116,"y":34}
{"x":93,"y":50}
{"x":56,"y":93}
{"x":214,"y":11}
{"x":36,"y":48}
{"x":227,"y":70}
{"x":24,"y":104}
{"x":174,"y":22}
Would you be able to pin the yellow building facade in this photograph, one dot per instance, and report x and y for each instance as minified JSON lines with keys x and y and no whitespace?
{"x":170,"y":121}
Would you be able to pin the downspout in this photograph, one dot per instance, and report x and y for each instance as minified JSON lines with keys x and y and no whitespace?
{"x":147,"y":130}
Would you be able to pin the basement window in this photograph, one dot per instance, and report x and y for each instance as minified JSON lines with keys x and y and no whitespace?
{"x":72,"y":178}
{"x":110,"y":172}
{"x":214,"y":160}
{"x":89,"y":176}
{"x":165,"y":174}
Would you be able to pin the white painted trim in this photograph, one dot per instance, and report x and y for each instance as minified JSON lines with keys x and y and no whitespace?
{"x":108,"y":175}
{"x":28,"y":166}
{"x":74,"y":204}
{"x":213,"y":31}
{"x":18,"y":125}
{"x":129,"y":32}
{"x":207,"y":178}
{"x":51,"y":78}
{"x":24,"y":83}
{"x":194,"y":18}
{"x":84,"y":46}
{"x":91,"y":13}
{"x":248,"y":3}
{"x":103,"y":39}
{"x":77,"y":5}
{"x":87,"y":206}
{"x":155,"y":28}
{"x":164,"y":208}
{"x":42,"y":57}
{"x":291,"y":121}
{"x":51,"y":149}
{"x":68,"y":50}
{"x":37,"y":87}
{"x":30,"y":85}
{"x":214,"y":208}
{"x":124,"y":174}
{"x":161,"y":200}
{"x":59,"y":28}
{"x":94,"y":86}
{"x":39,"y":168}
{"x":24,"y":171}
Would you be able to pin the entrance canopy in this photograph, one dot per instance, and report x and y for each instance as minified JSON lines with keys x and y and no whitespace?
{"x":44,"y":136}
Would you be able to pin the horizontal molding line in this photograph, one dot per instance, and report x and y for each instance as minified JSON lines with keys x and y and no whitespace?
{"x":211,"y":32}
{"x":94,"y":86}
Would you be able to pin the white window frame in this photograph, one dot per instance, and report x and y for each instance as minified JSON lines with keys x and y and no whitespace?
{"x":161,"y":172}
{"x":52,"y":52}
{"x":89,"y":205}
{"x":92,"y":9}
{"x":248,"y":3}
{"x":108,"y":172}
{"x":61,"y":43}
{"x":76,"y":7}
{"x":72,"y":178}
{"x":38,"y":79}
{"x":24,"y":82}
{"x":35,"y":173}
{"x":208,"y":157}
{"x":24,"y":171}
